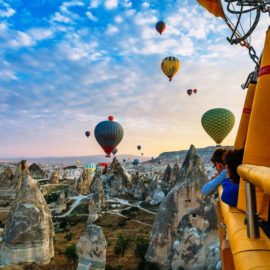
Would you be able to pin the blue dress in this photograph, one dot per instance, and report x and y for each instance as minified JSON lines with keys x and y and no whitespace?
{"x":230,"y":192}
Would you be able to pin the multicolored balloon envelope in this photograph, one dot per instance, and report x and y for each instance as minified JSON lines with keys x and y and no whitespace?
{"x":218,"y":123}
{"x":90,"y":167}
{"x":170,"y":65}
{"x":109,"y":134}
{"x":160,"y":27}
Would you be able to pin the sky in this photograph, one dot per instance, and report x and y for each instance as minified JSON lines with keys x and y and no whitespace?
{"x":67,"y":65}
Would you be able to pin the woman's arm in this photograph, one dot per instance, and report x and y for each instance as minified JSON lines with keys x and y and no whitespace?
{"x":212,"y":185}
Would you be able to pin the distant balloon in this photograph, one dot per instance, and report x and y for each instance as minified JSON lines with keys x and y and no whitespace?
{"x":87,"y":133}
{"x":114,"y":151}
{"x":141,"y":154}
{"x":195,"y":91}
{"x":139,"y":147}
{"x":124,"y":160}
{"x":110,"y":118}
{"x":135,"y":162}
{"x":90,"y":166}
{"x":170,"y":65}
{"x":160,"y":27}
{"x":189,"y":92}
{"x":109,"y":134}
{"x":218,"y":123}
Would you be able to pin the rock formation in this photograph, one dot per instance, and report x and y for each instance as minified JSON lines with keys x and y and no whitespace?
{"x":118,"y":180}
{"x":10,"y":183}
{"x":36,"y":172}
{"x":28,"y":233}
{"x":138,"y":187}
{"x":185,"y":229}
{"x":91,"y":249}
{"x":92,"y":210}
{"x":169,"y":178}
{"x":97,"y":192}
{"x":84,"y":182}
{"x":55,"y":177}
{"x":154,"y":193}
{"x":61,"y":203}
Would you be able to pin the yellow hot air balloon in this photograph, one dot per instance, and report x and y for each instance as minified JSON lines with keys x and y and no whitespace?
{"x":218,"y":123}
{"x":170,"y":65}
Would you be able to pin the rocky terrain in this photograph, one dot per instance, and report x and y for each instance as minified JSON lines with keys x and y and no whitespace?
{"x":109,"y":219}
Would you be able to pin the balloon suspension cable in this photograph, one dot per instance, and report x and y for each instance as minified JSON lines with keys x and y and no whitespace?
{"x":252,"y":76}
{"x":245,"y":6}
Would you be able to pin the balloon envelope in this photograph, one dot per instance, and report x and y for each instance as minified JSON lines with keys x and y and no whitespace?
{"x":114,"y":151}
{"x":90,"y":166}
{"x":170,"y":65}
{"x":195,"y":91}
{"x":213,"y":6}
{"x":135,"y":162}
{"x":160,"y":27}
{"x":189,"y":92}
{"x":139,"y":147}
{"x":108,"y":134}
{"x":218,"y":123}
{"x":87,"y":133}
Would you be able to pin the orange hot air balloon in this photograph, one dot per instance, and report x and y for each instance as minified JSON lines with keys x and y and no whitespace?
{"x":160,"y":27}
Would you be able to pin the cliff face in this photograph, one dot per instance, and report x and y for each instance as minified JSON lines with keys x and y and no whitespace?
{"x":185,"y":229}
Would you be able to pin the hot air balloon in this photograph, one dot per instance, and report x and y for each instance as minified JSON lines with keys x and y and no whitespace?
{"x":195,"y":91}
{"x":109,"y":134}
{"x":139,"y":147}
{"x":189,"y":92}
{"x":114,"y":151}
{"x":90,"y":167}
{"x":124,"y":160}
{"x":170,"y":65}
{"x":135,"y":162}
{"x":160,"y":27}
{"x":110,"y":118}
{"x":218,"y":123}
{"x":87,"y":133}
{"x":141,"y":154}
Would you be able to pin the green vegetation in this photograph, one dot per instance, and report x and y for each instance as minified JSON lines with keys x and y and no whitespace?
{"x":70,"y":252}
{"x":122,"y":244}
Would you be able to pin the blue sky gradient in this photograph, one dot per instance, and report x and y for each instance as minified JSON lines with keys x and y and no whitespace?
{"x":66,"y":65}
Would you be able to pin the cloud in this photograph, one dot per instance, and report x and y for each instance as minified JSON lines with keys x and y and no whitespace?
{"x":5,"y":10}
{"x":90,"y":15}
{"x":111,"y":29}
{"x":63,"y":73}
{"x":110,"y":4}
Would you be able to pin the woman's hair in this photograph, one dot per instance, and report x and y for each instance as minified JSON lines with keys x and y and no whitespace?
{"x":218,"y":156}
{"x":233,"y":158}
